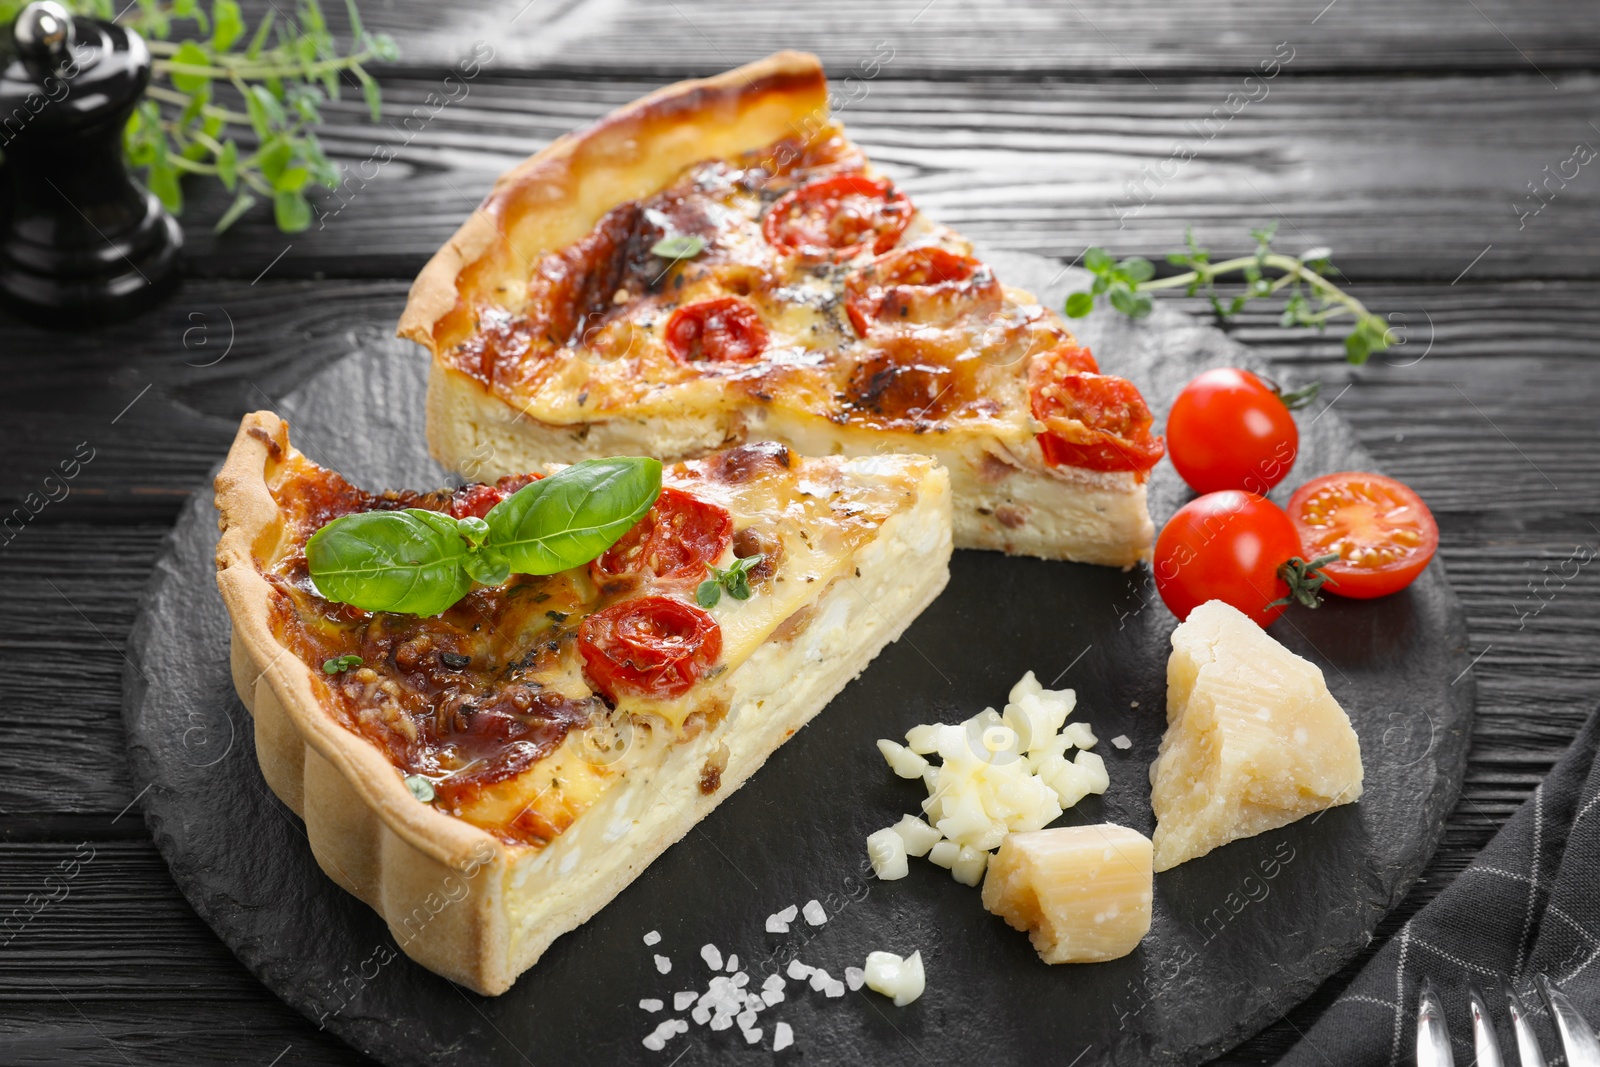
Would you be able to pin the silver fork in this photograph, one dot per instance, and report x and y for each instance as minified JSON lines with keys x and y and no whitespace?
{"x":1578,"y":1042}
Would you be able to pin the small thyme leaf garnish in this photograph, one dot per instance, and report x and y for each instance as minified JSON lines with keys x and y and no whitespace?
{"x":679,"y":246}
{"x":735,"y":579}
{"x":1305,"y":579}
{"x":337,"y":664}
{"x":1312,"y":300}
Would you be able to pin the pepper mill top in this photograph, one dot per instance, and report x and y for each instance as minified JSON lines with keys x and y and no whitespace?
{"x":84,"y":242}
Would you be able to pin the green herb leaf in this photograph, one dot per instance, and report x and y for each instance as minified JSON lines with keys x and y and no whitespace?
{"x":189,"y":54}
{"x":421,"y":788}
{"x":488,"y":567}
{"x":708,"y":592}
{"x":346,"y":662}
{"x":679,"y":246}
{"x":735,"y":579}
{"x":1136,"y":269}
{"x":241,"y":203}
{"x":571,"y":517}
{"x":1098,"y":260}
{"x":410,"y":561}
{"x":291,"y":209}
{"x":1079,"y":305}
{"x":227,"y":25}
{"x":1295,"y":399}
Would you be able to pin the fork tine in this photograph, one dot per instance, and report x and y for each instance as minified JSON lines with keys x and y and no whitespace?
{"x":1527,"y":1045}
{"x":1484,"y":1039}
{"x":1433,"y":1039}
{"x":1577,"y":1040}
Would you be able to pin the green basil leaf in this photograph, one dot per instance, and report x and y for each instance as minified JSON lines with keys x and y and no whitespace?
{"x":409,"y":561}
{"x":571,"y":517}
{"x":488,"y":567}
{"x":1079,"y":305}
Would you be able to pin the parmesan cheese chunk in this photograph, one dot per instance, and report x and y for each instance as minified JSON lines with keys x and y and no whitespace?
{"x":1082,"y":893}
{"x":1254,"y":739}
{"x":897,"y":977}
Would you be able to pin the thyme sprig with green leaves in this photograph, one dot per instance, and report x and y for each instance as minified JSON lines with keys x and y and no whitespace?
{"x":1311,"y":299}
{"x":214,"y":77}
{"x":735,"y":578}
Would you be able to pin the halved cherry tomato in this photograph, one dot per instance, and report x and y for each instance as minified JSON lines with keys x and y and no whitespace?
{"x":1226,"y":546}
{"x":838,"y":217}
{"x":653,"y":646}
{"x":1382,"y":532}
{"x":919,"y":287}
{"x":677,"y":538}
{"x":724,"y":329}
{"x":1091,"y":420}
{"x":477,"y":499}
{"x":1228,"y":429}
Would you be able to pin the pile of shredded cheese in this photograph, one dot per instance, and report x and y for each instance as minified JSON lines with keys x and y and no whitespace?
{"x":999,"y":772}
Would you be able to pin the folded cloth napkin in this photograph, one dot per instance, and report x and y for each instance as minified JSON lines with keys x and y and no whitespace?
{"x":1528,"y":905}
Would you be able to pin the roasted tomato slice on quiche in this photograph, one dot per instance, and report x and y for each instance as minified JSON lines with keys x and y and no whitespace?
{"x":536,"y":739}
{"x":719,"y":263}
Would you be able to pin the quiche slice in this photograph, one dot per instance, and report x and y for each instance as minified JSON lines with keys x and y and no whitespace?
{"x":717,"y":263}
{"x":490,"y":777}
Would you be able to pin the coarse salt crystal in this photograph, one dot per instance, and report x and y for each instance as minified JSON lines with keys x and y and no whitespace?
{"x":653,"y":937}
{"x":733,"y":962}
{"x":772,"y":996}
{"x":650,"y":1004}
{"x":814,"y":913}
{"x":712,"y":956}
{"x":663,"y":964}
{"x":834,"y":988}
{"x":798,"y":970}
{"x":701,"y":1014}
{"x":746,"y":1019}
{"x":820,"y":978}
{"x":1121,"y":741}
{"x":782,"y":1037}
{"x":655,"y":1042}
{"x":774,"y":981}
{"x":721,"y":1022}
{"x":855,"y":977}
{"x":741,"y":980}
{"x":681,"y":1001}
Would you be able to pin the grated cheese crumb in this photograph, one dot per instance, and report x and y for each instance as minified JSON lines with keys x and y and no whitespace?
{"x":900,"y":978}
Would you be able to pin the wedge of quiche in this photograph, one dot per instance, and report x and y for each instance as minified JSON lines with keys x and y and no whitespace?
{"x":717,"y":263}
{"x":489,"y":777}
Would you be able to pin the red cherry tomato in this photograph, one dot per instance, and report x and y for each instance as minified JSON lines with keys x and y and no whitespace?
{"x":919,"y":287}
{"x":677,"y":538}
{"x":1382,"y":532}
{"x":721,"y":330}
{"x":1091,"y":420}
{"x":653,"y":646}
{"x":1228,"y":429}
{"x":838,"y":217}
{"x":1226,"y":546}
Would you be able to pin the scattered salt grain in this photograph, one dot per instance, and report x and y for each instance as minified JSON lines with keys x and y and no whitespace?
{"x":663,"y":964}
{"x":820,"y":978}
{"x":834,"y":988}
{"x":741,"y":980}
{"x":746,"y":1019}
{"x":752,"y":1036}
{"x":772,"y":996}
{"x":681,"y":1001}
{"x":855,"y":977}
{"x":1121,"y":741}
{"x":782,"y":1037}
{"x":778,"y":922}
{"x":733,"y":962}
{"x":712,"y":956}
{"x":798,"y":970}
{"x":701,"y":1014}
{"x":774,"y":981}
{"x":814,"y":913}
{"x":721,"y":1022}
{"x":1133,"y":703}
{"x":650,"y":1004}
{"x":653,"y":937}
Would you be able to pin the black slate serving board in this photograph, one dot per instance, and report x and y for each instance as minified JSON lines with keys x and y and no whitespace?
{"x":1238,"y":936}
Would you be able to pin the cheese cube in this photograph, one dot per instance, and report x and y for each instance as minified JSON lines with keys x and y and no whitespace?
{"x":1082,"y":893}
{"x":1254,"y":739}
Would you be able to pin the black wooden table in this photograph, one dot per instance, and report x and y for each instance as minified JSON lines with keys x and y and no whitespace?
{"x":1431,"y":144}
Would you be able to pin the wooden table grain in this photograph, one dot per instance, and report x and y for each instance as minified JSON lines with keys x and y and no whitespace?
{"x":1418,"y":141}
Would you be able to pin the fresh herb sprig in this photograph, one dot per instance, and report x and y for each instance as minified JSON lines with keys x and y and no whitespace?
{"x":1312,"y":300}
{"x":419,"y":562}
{"x":340,"y":664}
{"x":213,"y":76}
{"x":735,"y":578}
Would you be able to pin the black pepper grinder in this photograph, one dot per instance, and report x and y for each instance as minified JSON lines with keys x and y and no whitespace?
{"x":84,"y":242}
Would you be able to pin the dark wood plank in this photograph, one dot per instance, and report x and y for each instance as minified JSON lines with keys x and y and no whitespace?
{"x":1047,"y":166}
{"x":1133,"y":39}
